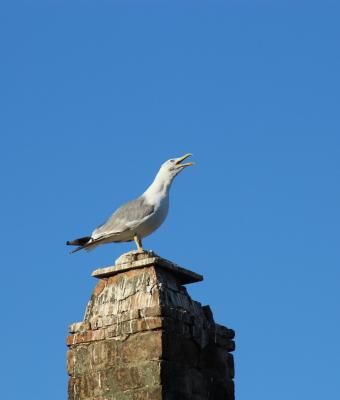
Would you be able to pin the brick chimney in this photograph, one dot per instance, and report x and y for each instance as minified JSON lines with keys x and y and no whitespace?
{"x":144,"y":338}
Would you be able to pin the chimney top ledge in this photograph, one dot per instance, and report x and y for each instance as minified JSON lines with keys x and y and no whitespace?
{"x":135,"y":260}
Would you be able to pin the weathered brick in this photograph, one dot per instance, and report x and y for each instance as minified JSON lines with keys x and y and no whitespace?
{"x":77,"y":327}
{"x":87,"y":336}
{"x":155,"y":311}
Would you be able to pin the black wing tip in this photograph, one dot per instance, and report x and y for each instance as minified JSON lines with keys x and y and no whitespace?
{"x":76,"y":249}
{"x":79,"y":242}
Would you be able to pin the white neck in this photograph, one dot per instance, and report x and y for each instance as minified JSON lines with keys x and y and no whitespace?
{"x":159,"y":188}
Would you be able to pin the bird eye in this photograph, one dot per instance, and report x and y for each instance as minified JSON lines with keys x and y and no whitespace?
{"x":172,"y":161}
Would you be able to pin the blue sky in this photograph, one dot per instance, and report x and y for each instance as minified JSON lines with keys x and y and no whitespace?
{"x":96,"y":95}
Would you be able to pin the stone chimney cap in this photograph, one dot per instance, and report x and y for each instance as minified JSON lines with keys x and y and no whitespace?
{"x":135,"y":259}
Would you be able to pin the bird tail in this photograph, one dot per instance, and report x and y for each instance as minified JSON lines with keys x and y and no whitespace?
{"x":81,"y":242}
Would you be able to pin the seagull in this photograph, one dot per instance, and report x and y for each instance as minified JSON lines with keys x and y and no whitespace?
{"x":140,"y":217}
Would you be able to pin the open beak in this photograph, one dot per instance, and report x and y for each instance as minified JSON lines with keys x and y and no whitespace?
{"x":180,"y":159}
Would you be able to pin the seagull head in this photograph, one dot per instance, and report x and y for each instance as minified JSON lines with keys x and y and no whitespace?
{"x":166,"y":175}
{"x":173,"y":166}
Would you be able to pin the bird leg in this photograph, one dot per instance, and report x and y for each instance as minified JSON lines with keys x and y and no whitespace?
{"x":138,"y":242}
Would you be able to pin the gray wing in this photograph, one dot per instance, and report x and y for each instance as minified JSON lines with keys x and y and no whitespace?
{"x":127,"y":217}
